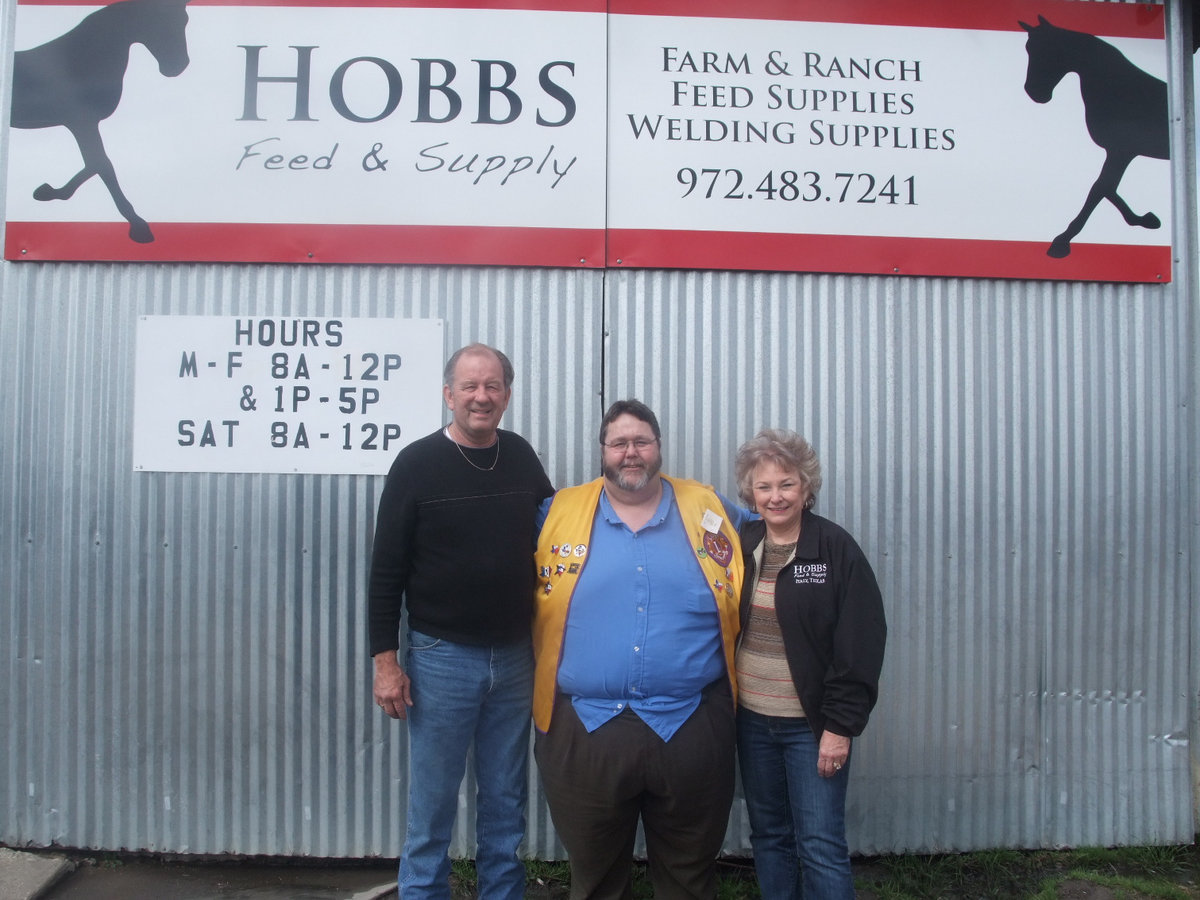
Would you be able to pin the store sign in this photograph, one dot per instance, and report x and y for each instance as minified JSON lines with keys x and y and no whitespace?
{"x":311,"y":395}
{"x":939,"y":138}
{"x":264,"y":132}
{"x":911,"y":138}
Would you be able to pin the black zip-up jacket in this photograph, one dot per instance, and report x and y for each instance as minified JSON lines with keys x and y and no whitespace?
{"x":831,"y":614}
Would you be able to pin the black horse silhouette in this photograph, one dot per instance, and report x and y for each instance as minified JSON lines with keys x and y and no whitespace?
{"x":75,"y":81}
{"x":1125,"y":110}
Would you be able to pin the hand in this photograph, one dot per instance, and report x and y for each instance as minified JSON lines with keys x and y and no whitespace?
{"x":392,"y":687}
{"x":835,"y":750}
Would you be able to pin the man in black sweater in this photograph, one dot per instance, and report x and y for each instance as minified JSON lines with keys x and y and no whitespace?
{"x":454,"y":542}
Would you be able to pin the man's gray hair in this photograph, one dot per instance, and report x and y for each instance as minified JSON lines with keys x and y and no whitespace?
{"x":452,"y":363}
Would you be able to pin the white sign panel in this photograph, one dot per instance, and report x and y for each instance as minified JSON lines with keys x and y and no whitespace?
{"x":890,"y":147}
{"x":312,"y":395}
{"x":340,"y":133}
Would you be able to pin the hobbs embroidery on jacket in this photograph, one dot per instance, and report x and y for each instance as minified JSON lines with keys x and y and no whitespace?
{"x":810,"y":573}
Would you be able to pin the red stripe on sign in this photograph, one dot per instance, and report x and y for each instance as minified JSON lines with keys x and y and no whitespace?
{"x":593,"y":6}
{"x":1109,"y":19}
{"x":264,"y":243}
{"x":884,"y":256}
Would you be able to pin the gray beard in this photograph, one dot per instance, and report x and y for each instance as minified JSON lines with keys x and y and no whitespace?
{"x":618,"y":477}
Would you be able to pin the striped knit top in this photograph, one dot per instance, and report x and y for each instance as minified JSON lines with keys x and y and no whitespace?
{"x":764,"y":679}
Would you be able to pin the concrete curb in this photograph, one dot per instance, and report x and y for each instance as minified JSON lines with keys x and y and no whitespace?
{"x":27,"y":876}
{"x":377,"y":893}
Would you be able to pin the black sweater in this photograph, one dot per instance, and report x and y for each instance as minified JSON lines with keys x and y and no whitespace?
{"x":456,"y":543}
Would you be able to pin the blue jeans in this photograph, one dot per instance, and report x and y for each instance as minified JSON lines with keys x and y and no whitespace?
{"x":797,"y":818}
{"x":462,"y":696}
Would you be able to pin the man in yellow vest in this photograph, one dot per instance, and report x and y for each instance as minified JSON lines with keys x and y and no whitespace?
{"x":639,"y":577}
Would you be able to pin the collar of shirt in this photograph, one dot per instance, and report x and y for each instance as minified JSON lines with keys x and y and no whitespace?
{"x":666,"y":504}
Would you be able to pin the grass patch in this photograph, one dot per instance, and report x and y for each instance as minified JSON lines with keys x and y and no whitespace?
{"x":1166,"y":862}
{"x":1130,"y":873}
{"x":988,"y":873}
{"x":1126,"y":873}
{"x":548,"y":875}
{"x":1150,"y":887}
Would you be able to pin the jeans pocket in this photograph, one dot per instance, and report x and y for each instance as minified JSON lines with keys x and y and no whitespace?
{"x":418,"y":641}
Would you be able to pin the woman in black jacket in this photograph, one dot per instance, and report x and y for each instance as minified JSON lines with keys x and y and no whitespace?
{"x":808,"y":663}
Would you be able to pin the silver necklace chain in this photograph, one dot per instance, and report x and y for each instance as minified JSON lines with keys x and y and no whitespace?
{"x":468,"y":459}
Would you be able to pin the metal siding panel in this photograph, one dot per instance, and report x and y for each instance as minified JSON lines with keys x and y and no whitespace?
{"x":186,"y":651}
{"x":1181,"y":25}
{"x":1003,"y":452}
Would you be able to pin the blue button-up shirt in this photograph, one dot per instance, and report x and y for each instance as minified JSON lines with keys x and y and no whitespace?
{"x":643,"y":629}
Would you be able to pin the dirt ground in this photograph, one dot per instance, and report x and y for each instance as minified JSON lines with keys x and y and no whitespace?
{"x":1078,"y":889}
{"x":1072,"y":889}
{"x":120,"y":878}
{"x":738,"y":878}
{"x":1046,"y":865}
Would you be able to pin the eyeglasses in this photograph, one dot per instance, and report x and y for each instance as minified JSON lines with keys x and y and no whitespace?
{"x":638,"y":444}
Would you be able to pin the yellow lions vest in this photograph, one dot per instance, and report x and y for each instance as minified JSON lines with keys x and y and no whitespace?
{"x":562,"y":555}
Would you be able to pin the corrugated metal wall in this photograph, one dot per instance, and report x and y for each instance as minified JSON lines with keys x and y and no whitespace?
{"x":1012,"y":457}
{"x":183,"y":656}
